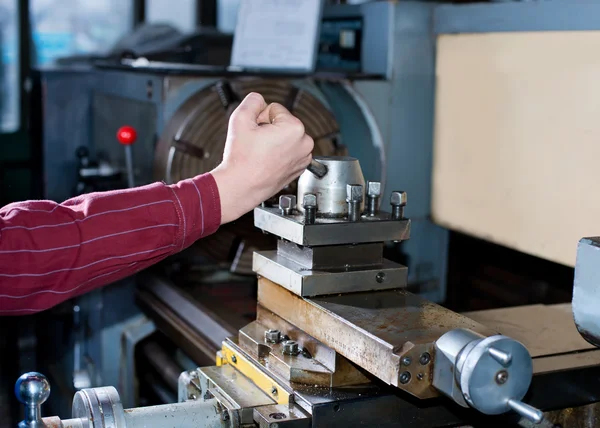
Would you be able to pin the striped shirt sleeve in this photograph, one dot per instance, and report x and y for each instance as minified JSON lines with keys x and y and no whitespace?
{"x":50,"y":252}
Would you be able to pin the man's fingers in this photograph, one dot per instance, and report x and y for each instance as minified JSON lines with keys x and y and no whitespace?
{"x":250,"y":109}
{"x":276,"y":113}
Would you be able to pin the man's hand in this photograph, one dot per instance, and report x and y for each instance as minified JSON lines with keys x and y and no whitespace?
{"x":266,"y":149}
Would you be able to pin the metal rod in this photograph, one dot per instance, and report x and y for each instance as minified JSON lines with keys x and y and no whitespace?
{"x":525,"y":410}
{"x":129,"y":162}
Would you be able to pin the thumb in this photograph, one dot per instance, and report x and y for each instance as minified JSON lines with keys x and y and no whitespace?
{"x":246,"y":114}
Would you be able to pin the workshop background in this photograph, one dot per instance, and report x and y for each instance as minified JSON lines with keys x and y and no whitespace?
{"x":45,"y":46}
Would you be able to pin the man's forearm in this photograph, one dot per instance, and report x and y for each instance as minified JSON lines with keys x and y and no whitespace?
{"x":103,"y":237}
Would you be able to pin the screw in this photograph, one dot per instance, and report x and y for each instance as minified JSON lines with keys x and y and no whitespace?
{"x":354,"y":197}
{"x":373,"y":194}
{"x":272,"y":336}
{"x":309,"y":203}
{"x":405,"y":378}
{"x":501,"y":377}
{"x":425,"y":358}
{"x":274,"y":391}
{"x":406,"y":361}
{"x":380,"y":277}
{"x":420,"y":376}
{"x":290,"y":347}
{"x":398,"y":201}
{"x":233,"y":359}
{"x":287,"y":204}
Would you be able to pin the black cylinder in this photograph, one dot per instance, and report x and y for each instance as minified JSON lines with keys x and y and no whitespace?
{"x":353,"y":210}
{"x":310,"y":215}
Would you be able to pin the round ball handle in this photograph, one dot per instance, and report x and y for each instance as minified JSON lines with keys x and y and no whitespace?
{"x":32,"y":389}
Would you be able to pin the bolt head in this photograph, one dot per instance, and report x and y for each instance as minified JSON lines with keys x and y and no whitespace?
{"x":501,"y":377}
{"x":309,"y":201}
{"x":287,"y":202}
{"x":354,"y":192}
{"x":405,"y":378}
{"x":290,"y":347}
{"x":273,"y":336}
{"x":425,"y":358}
{"x":406,"y":361}
{"x":398,"y":198}
{"x":374,"y":189}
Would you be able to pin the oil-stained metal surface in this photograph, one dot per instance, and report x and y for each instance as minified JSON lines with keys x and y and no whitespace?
{"x":318,"y":282}
{"x":374,"y":330}
{"x":330,"y":231}
{"x":586,"y":290}
{"x":303,"y":368}
{"x":280,"y":416}
{"x":235,"y":387}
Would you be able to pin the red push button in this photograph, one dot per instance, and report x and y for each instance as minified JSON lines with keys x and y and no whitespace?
{"x":126,"y":135}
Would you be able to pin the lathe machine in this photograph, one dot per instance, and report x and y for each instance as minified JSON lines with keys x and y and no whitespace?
{"x":339,"y":341}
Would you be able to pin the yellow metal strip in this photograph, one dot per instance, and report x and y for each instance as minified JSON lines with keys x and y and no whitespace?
{"x":229,"y":355}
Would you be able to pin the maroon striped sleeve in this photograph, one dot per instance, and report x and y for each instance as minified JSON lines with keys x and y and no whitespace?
{"x":51,"y":252}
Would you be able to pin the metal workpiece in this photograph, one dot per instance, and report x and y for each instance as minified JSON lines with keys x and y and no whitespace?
{"x":586,"y":290}
{"x":287,"y":204}
{"x":375,"y":331}
{"x":333,"y":256}
{"x":307,"y":282}
{"x":398,"y":201}
{"x":373,"y":195}
{"x":354,"y":199}
{"x":330,"y":231}
{"x":331,"y":189}
{"x":309,"y":203}
{"x":491,"y":374}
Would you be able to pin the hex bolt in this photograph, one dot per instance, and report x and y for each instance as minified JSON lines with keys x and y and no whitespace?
{"x":398,"y":201}
{"x":290,"y":347}
{"x":309,"y":203}
{"x":373,"y":195}
{"x":287,"y":204}
{"x":425,"y":358}
{"x":380,"y":277}
{"x":354,"y":197}
{"x":406,"y":361}
{"x":405,"y":378}
{"x":272,"y":336}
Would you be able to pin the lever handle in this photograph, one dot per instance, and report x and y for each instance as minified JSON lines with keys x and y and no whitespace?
{"x":32,"y":389}
{"x":526,"y":411}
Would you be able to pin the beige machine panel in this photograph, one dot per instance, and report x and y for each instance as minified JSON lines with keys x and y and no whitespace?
{"x":517,"y":139}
